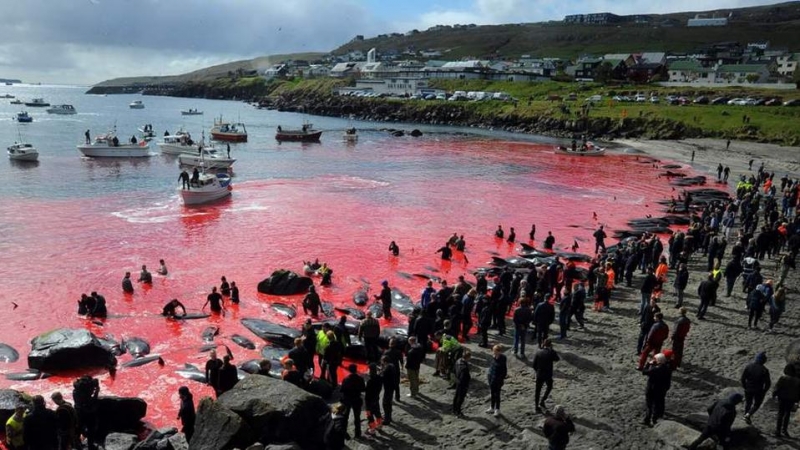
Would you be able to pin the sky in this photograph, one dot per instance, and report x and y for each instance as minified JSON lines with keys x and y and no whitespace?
{"x":88,"y":41}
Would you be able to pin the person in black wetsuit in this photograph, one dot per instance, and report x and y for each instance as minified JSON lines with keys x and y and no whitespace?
{"x":127,"y":285}
{"x":186,"y":413}
{"x":499,"y":232}
{"x":386,"y":300}
{"x":99,"y":309}
{"x":184,"y":179}
{"x":85,"y":305}
{"x":311,"y":302}
{"x":512,"y":235}
{"x":549,"y":241}
{"x":215,"y":301}
{"x":225,"y":287}
{"x":195,"y":177}
{"x":234,"y":293}
{"x":394,"y":248}
{"x":228,"y":375}
{"x":145,"y":276}
{"x":170,"y":309}
{"x":85,"y":392}
{"x":213,"y":366}
{"x":446,"y":252}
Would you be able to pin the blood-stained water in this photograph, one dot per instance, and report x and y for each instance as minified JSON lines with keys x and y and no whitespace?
{"x":341,"y":205}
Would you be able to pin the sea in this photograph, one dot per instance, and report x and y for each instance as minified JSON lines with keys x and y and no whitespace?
{"x":71,"y":225}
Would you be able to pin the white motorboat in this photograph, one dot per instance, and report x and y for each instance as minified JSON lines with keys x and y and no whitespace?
{"x":37,"y":102}
{"x":181,"y":142}
{"x":136,"y":104}
{"x":210,"y":187}
{"x":108,"y":146}
{"x":62,"y":109}
{"x":210,"y":159}
{"x":191,"y":112}
{"x":16,"y":101}
{"x":22,"y":152}
{"x":350,"y":135}
{"x":147,"y":132}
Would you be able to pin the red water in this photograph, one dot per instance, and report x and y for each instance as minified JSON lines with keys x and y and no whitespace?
{"x":54,"y":250}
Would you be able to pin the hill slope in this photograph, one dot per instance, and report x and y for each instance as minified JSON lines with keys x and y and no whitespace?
{"x":777,"y":24}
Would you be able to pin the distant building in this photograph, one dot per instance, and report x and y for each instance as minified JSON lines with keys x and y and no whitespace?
{"x":689,"y":71}
{"x":316,"y":71}
{"x":585,"y":69}
{"x":276,"y":71}
{"x":741,"y":73}
{"x":787,"y":64}
{"x":593,"y":19}
{"x":700,"y":21}
{"x":393,"y":86}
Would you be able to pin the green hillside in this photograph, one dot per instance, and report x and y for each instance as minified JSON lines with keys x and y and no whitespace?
{"x":778,"y":24}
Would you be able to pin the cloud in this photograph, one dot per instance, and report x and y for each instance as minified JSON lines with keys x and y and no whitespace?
{"x":78,"y":40}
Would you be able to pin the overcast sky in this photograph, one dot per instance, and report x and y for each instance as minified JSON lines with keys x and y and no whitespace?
{"x":87,"y":41}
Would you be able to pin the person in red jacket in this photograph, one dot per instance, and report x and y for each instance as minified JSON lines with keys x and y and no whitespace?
{"x":682,"y":327}
{"x":659,"y":333}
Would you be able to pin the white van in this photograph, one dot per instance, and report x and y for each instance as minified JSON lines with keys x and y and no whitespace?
{"x":595,"y":98}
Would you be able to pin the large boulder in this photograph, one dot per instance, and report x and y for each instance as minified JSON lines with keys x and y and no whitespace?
{"x":284,"y":282}
{"x":65,"y":349}
{"x":120,"y":441}
{"x":277,"y":411}
{"x":120,"y":414}
{"x":218,"y":428}
{"x":9,"y":400}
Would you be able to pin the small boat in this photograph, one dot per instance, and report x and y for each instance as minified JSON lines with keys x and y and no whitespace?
{"x":210,"y":187}
{"x":305,"y":134}
{"x":108,"y":146}
{"x":232,"y":132}
{"x":210,"y":158}
{"x":16,"y":102}
{"x":136,"y":104}
{"x":37,"y":102}
{"x":6,"y":96}
{"x":350,"y":135}
{"x":588,"y":149}
{"x":191,"y":112}
{"x":181,"y":142}
{"x":147,"y":132}
{"x":62,"y":109}
{"x":23,"y":117}
{"x":22,"y":152}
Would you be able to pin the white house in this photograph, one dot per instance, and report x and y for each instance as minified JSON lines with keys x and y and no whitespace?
{"x":392,"y":86}
{"x":700,"y":21}
{"x":277,"y":70}
{"x":317,"y":71}
{"x":787,"y":64}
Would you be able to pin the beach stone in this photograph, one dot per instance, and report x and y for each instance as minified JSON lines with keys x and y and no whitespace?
{"x":218,"y":428}
{"x":178,"y":442}
{"x":120,"y":441}
{"x":65,"y":349}
{"x":279,"y":411}
{"x":284,"y":282}
{"x":256,"y":446}
{"x":676,"y":435}
{"x":119,"y":414}
{"x":415,"y":133}
{"x":9,"y":400}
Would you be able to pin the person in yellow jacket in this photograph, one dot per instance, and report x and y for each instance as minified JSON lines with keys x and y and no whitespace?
{"x":14,"y":429}
{"x":322,"y":343}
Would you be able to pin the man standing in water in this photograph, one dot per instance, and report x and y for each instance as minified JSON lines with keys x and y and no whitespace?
{"x":386,"y":299}
{"x":446,"y":252}
{"x":214,"y":300}
{"x":127,"y":285}
{"x":549,"y":241}
{"x":311,"y":302}
{"x":599,"y":240}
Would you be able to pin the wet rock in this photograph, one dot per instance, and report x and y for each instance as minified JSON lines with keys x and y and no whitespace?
{"x":279,"y":411}
{"x":9,"y":400}
{"x":65,"y":349}
{"x":120,"y":441}
{"x":178,"y":442}
{"x":218,"y":428}
{"x":8,"y":353}
{"x":674,"y":435}
{"x":120,"y":414}
{"x":398,"y":133}
{"x":415,"y":133}
{"x":284,"y":282}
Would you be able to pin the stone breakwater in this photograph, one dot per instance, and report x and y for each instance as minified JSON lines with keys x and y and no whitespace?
{"x":462,"y":114}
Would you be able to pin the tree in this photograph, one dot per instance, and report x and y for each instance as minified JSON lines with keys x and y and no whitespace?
{"x":604,"y":72}
{"x":752,"y":77}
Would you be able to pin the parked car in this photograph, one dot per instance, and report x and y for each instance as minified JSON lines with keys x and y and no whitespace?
{"x":595,"y":98}
{"x":430,"y":97}
{"x":671,"y":99}
{"x":736,"y":101}
{"x":720,"y":101}
{"x":773,"y":102}
{"x":441,"y":96}
{"x":683,"y":101}
{"x":654,"y":99}
{"x":621,"y":98}
{"x":505,"y":97}
{"x":640,"y":98}
{"x":792,"y":102}
{"x":701,"y":100}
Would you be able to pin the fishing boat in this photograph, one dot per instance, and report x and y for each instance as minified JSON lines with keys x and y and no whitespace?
{"x":62,"y":109}
{"x":6,"y":96}
{"x":181,"y":142}
{"x":23,"y":117}
{"x":108,"y":146}
{"x":37,"y":102}
{"x":305,"y":134}
{"x":136,"y":104}
{"x":350,"y":135}
{"x":232,"y":132}
{"x":208,"y":188}
{"x":16,"y":102}
{"x":208,"y":158}
{"x":588,"y":149}
{"x":191,"y":112}
{"x":22,"y":152}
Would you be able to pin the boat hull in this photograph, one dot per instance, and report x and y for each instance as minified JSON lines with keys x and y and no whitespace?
{"x":187,"y":113}
{"x":37,"y":105}
{"x":350,"y":138}
{"x":596,"y":152}
{"x":122,"y":151}
{"x":24,"y":119}
{"x":195,"y":197}
{"x":31,"y":156}
{"x":228,"y":137}
{"x":172,"y":149}
{"x":298,"y":137}
{"x":189,"y":160}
